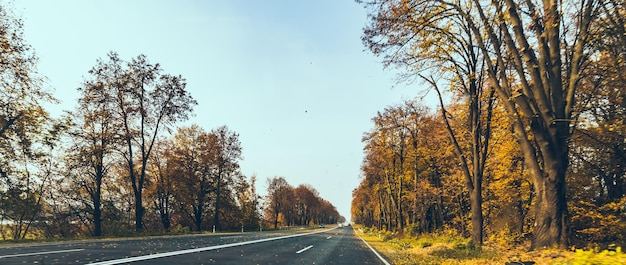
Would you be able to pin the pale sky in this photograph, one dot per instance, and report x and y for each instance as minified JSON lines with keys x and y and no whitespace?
{"x":290,"y":76}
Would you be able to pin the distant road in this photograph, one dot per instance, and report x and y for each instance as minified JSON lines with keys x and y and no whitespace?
{"x":329,"y":246}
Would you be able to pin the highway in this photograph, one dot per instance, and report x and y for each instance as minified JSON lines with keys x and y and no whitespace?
{"x":323,"y":246}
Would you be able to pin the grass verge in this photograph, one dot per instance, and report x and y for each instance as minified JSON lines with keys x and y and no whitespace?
{"x":447,"y":249}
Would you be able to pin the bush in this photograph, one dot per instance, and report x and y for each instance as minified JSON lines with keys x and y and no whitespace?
{"x":401,"y":244}
{"x":385,"y":235}
{"x":180,"y":230}
{"x":414,"y":229}
{"x":504,"y":237}
{"x":591,"y":223}
{"x":118,"y":229}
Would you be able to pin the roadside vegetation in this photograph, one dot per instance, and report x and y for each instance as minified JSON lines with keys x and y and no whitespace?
{"x":446,"y":247}
{"x":523,"y":154}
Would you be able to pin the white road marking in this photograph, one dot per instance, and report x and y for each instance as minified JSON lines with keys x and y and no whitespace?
{"x":42,"y":253}
{"x":229,"y":237}
{"x":304,"y":249}
{"x":372,"y":249}
{"x":329,"y":237}
{"x":195,"y":250}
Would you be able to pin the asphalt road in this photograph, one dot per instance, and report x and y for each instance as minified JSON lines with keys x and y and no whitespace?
{"x":327,"y":246}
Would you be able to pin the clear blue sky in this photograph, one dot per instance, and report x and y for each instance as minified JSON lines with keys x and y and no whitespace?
{"x":291,"y":77}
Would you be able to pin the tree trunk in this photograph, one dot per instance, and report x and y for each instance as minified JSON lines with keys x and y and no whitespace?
{"x":476,"y":205}
{"x":216,"y":218}
{"x":97,"y":213}
{"x":163,"y":207}
{"x":276,"y":219}
{"x":97,"y":197}
{"x":198,"y":219}
{"x":165,"y":220}
{"x":138,"y":212}
{"x":551,"y":215}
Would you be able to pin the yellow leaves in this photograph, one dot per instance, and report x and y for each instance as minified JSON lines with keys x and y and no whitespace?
{"x":599,"y":224}
{"x":608,"y":257}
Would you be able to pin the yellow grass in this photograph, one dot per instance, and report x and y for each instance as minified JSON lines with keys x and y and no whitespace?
{"x":446,"y":249}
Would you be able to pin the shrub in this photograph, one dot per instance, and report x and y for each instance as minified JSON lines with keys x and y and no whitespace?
{"x":180,"y":230}
{"x":504,"y":237}
{"x":414,"y":229}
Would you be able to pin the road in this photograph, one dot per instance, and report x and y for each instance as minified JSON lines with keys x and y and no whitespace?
{"x":327,"y":246}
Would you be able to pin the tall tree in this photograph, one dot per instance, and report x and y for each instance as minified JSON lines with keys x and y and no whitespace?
{"x":478,"y":125}
{"x":194,"y":159}
{"x":21,"y":92}
{"x":598,"y":149}
{"x":534,"y":55}
{"x":278,"y":194}
{"x":227,"y":164}
{"x":306,"y":201}
{"x":392,"y":161}
{"x":23,"y":124}
{"x":162,"y":189}
{"x":146,"y":102}
{"x":95,"y":138}
{"x":249,"y":202}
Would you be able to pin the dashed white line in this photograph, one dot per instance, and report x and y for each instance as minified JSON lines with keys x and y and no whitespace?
{"x":304,"y":249}
{"x":195,"y":250}
{"x":42,"y":253}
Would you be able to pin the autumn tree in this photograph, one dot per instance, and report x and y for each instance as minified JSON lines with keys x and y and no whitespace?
{"x":327,"y":213}
{"x":363,"y":208}
{"x":508,"y":192}
{"x":471,"y":141}
{"x":467,"y":81}
{"x":249,"y":202}
{"x":95,"y":139}
{"x":21,"y":86}
{"x":399,"y":163}
{"x":279,"y":192}
{"x":597,"y":175}
{"x":306,"y":203}
{"x":462,"y":73}
{"x":226,"y":165}
{"x":199,"y":172}
{"x":146,"y":101}
{"x":194,"y":157}
{"x":26,"y":129}
{"x":162,"y":189}
{"x":534,"y":53}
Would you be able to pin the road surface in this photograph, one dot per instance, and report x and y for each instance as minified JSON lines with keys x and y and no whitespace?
{"x":327,"y":246}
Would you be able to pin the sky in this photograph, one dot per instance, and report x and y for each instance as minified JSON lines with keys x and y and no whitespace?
{"x":292,"y":78}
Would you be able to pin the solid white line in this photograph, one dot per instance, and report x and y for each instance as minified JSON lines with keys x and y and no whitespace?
{"x":304,"y":249}
{"x":195,"y":250}
{"x":372,"y":249}
{"x":42,"y":253}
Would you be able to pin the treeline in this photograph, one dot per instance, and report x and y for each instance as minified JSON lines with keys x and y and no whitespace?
{"x":118,"y":164}
{"x":413,"y":182}
{"x":299,"y":206}
{"x":528,"y":138}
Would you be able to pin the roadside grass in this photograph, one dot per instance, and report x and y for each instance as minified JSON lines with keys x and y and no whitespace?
{"x":447,"y":249}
